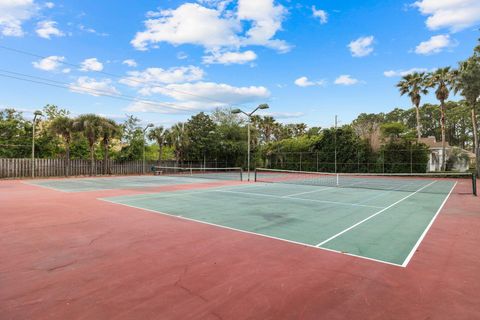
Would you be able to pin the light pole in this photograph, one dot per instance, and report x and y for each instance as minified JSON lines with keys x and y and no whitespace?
{"x":150,"y":125}
{"x":34,"y":122}
{"x":249,"y":115}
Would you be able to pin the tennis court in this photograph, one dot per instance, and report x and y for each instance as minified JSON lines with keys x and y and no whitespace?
{"x":138,"y":182}
{"x":206,"y":244}
{"x":378,"y":217}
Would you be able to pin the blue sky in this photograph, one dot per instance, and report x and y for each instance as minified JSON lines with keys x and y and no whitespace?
{"x":166,"y":60}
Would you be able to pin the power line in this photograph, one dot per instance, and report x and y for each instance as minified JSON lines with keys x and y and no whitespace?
{"x":98,"y":92}
{"x":112,"y":74}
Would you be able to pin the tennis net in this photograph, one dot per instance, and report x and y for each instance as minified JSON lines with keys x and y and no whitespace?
{"x":203,"y":173}
{"x":420,"y":182}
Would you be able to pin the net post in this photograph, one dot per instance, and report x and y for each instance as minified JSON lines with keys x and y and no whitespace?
{"x":241,"y":174}
{"x":338,"y":178}
{"x":255,"y":175}
{"x":474,"y":184}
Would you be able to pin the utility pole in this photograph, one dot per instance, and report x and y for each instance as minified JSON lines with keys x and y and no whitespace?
{"x":34,"y":124}
{"x":335,"y":142}
{"x":150,"y":125}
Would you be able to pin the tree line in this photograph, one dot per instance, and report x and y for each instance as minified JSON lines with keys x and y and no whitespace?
{"x":464,"y":80}
{"x":219,"y":138}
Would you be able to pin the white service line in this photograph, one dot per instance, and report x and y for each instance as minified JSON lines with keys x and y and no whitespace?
{"x":300,"y":193}
{"x":373,"y":215}
{"x":410,"y":255}
{"x":387,"y":191}
{"x":300,"y":199}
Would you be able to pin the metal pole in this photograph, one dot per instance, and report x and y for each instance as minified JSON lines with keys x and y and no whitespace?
{"x":248,"y":150}
{"x":411,"y":159}
{"x":143,"y":152}
{"x":335,"y":143}
{"x":33,"y":147}
{"x":150,"y":125}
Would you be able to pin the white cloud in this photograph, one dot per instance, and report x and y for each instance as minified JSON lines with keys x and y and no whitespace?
{"x":182,"y":55}
{"x":13,"y":13}
{"x":130,"y":62}
{"x":51,"y":63}
{"x":189,"y":23}
{"x":266,"y":19}
{"x":453,"y":14}
{"x":362,"y":46}
{"x":93,"y":87}
{"x":91,"y":64}
{"x":217,"y":57}
{"x":91,"y":30}
{"x":320,"y":14}
{"x":48,"y":28}
{"x":434,"y":45}
{"x":207,"y":95}
{"x":215,"y":28}
{"x":158,"y":76}
{"x":305,"y":82}
{"x":49,"y":5}
{"x":401,"y":73}
{"x":346,"y":80}
{"x":158,"y":107}
{"x":283,"y":115}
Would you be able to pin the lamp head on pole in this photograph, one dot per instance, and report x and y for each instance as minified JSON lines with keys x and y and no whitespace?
{"x":236,"y":111}
{"x":150,"y":125}
{"x":263,"y":106}
{"x":36,"y":114}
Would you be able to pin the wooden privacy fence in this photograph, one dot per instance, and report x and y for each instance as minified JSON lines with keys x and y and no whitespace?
{"x":22,"y":168}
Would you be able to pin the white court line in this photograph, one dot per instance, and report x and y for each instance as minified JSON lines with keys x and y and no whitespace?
{"x":300,"y":193}
{"x":253,"y":233}
{"x":412,"y":252}
{"x":46,"y":187}
{"x":373,"y":215}
{"x":160,"y":195}
{"x":301,"y":199}
{"x":387,"y":191}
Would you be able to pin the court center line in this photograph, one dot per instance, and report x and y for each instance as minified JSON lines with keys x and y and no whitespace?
{"x":373,"y":215}
{"x":300,"y":199}
{"x":410,"y":255}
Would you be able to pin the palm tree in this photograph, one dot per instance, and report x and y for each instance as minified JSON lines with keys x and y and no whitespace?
{"x":109,"y":130}
{"x":443,"y":79}
{"x":267,"y":126}
{"x":63,"y":126}
{"x":178,"y":139}
{"x":468,"y":85}
{"x":159,"y":134}
{"x":414,"y":85}
{"x":90,"y":125}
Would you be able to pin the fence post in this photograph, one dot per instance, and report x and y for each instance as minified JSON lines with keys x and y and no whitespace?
{"x":477,"y":161}
{"x":411,"y":159}
{"x":383,"y":161}
{"x":358,"y":162}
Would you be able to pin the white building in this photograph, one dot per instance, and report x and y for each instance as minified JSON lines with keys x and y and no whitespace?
{"x":461,"y":158}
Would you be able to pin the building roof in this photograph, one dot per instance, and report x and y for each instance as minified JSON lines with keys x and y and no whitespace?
{"x":432,"y":143}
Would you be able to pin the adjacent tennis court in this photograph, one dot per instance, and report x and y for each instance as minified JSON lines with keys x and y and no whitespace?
{"x":377,"y":217}
{"x":188,"y":176}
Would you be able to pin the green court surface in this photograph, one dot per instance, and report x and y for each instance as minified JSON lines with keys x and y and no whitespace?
{"x":382,"y":225}
{"x":115,"y":183}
